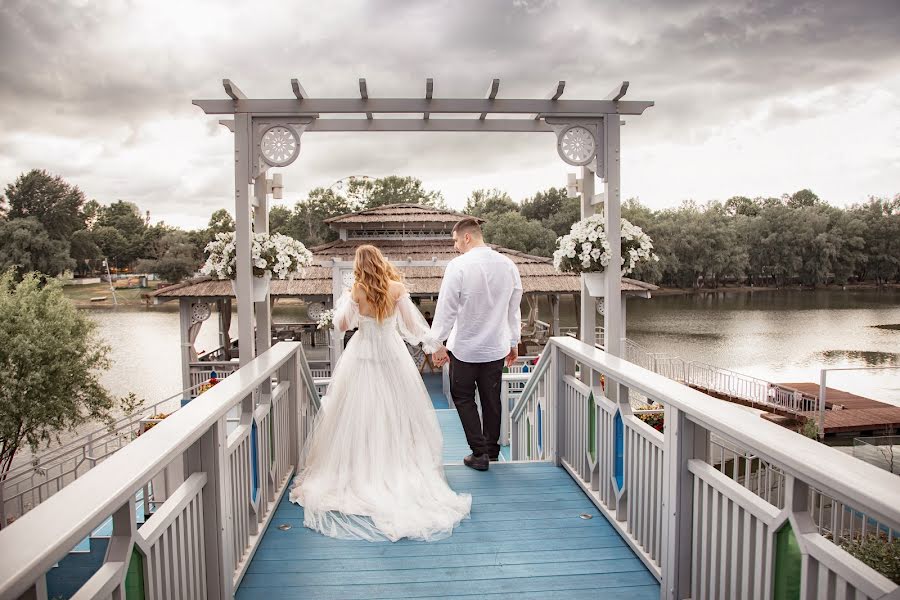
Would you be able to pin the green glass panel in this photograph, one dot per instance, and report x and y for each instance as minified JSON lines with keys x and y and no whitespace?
{"x":788,"y":563}
{"x":528,"y":437}
{"x":134,"y":578}
{"x":592,"y":427}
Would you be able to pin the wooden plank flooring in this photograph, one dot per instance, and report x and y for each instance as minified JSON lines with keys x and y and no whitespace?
{"x":525,"y":539}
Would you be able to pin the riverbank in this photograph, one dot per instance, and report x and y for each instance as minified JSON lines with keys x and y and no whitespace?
{"x":81,"y":296}
{"x":675,"y":291}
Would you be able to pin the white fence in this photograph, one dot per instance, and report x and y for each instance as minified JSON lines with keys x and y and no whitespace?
{"x":719,"y":504}
{"x":200,"y":540}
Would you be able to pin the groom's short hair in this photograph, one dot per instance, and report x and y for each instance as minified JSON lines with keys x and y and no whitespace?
{"x":468,"y":225}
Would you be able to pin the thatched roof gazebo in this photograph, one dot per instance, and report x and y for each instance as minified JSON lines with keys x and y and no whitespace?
{"x":416,"y":238}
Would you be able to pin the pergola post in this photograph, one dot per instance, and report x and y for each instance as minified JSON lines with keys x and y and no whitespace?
{"x":613,"y":310}
{"x":262,"y":310}
{"x":554,"y":311}
{"x":243,"y":279}
{"x":588,"y":307}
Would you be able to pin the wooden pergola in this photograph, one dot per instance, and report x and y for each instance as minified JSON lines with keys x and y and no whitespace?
{"x":267,"y":134}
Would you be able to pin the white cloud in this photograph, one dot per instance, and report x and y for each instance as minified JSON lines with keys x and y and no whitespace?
{"x":752,"y":98}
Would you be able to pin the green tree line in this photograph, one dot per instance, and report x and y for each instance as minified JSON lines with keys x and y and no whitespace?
{"x":48,"y":225}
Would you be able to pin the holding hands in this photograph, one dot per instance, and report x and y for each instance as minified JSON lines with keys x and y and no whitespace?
{"x":440,"y":357}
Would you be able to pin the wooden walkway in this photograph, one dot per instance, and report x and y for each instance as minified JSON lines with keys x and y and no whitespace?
{"x":526,"y":539}
{"x":858,"y":413}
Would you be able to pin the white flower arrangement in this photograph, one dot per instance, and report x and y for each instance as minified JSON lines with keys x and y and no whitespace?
{"x":326,"y":320}
{"x":282,"y":256}
{"x":585,"y":249}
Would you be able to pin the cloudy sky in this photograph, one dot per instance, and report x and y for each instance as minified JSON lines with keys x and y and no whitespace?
{"x":753,"y":98}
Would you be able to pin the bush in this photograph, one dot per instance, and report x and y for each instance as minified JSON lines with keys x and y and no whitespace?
{"x":877,"y":552}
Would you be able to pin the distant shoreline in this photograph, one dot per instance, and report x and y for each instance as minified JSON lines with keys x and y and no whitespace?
{"x":667,"y":291}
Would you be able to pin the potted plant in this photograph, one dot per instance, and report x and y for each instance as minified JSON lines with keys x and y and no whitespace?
{"x":270,"y":254}
{"x":585,"y":251}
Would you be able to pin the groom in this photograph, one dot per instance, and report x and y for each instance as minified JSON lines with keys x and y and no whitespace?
{"x":478,"y":314}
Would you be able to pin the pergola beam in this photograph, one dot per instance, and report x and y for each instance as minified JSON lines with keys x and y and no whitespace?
{"x":299,"y":92}
{"x":618,"y":92}
{"x":232,"y":90}
{"x":364,"y":94}
{"x":491,"y":94}
{"x":313,"y":106}
{"x":452,"y":125}
{"x":429,"y":90}
{"x":555,"y":94}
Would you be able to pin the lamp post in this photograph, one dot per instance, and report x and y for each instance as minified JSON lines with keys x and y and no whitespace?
{"x":109,"y":279}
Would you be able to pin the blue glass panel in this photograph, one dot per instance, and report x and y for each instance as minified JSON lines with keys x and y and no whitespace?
{"x":619,"y":441}
{"x":525,"y":368}
{"x":540,"y":428}
{"x":254,"y":460}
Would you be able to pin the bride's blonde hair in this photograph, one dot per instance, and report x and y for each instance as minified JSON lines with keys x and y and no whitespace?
{"x":374,"y":274}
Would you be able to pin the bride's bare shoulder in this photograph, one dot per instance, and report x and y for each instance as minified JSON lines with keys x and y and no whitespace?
{"x":397,"y":289}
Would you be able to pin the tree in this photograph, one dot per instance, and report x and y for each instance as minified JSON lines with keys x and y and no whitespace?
{"x":54,"y":203}
{"x":393,"y":189}
{"x":220,"y":221}
{"x":84,"y":250}
{"x":307,"y":223}
{"x":26,"y":246}
{"x":880,"y":218}
{"x":177,"y":257}
{"x":560,"y":222}
{"x":50,"y":359}
{"x":802,"y":198}
{"x":125,"y":217}
{"x":512,"y":230}
{"x":484,"y":203}
{"x":742,"y":205}
{"x":543,"y":205}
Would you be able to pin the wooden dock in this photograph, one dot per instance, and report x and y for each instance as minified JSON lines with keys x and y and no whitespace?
{"x":533,"y":534}
{"x":851,"y":413}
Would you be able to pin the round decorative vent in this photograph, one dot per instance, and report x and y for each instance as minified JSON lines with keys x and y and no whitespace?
{"x":347,"y":279}
{"x":576,"y":145}
{"x":200,"y":312}
{"x":279,"y":146}
{"x":315,"y":310}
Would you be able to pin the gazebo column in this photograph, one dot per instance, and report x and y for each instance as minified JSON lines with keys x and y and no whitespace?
{"x":614,"y":309}
{"x":262,"y":310}
{"x":243,"y":280}
{"x":554,"y":311}
{"x":184,"y":311}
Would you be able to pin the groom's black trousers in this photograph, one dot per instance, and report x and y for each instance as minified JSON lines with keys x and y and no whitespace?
{"x":464,"y":377}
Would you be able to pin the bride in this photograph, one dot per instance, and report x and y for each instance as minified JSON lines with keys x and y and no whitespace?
{"x":372,"y":469}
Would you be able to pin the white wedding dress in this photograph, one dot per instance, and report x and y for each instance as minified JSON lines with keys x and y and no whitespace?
{"x":373,"y":467}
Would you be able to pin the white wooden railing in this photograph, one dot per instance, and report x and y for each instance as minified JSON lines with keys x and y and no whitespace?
{"x":719,"y":505}
{"x":200,"y":540}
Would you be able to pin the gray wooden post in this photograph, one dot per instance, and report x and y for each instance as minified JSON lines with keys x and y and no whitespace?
{"x":554,"y":311}
{"x":243,"y":280}
{"x":263,"y":310}
{"x":207,"y":455}
{"x":588,"y":318}
{"x":612,"y":311}
{"x":184,"y":310}
{"x":683,"y":441}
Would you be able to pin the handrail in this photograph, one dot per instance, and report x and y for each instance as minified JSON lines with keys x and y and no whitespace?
{"x":34,"y":543}
{"x":834,"y":473}
{"x":542,"y":366}
{"x":308,"y":379}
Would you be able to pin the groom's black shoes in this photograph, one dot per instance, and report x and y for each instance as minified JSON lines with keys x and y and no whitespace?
{"x":479,"y":462}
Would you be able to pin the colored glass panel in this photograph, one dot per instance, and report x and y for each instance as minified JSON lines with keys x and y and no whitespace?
{"x":134,"y":578}
{"x":254,"y":462}
{"x":592,"y":427}
{"x":619,"y":450}
{"x":788,"y":564}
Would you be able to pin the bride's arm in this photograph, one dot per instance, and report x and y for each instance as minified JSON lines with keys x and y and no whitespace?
{"x":412,"y":324}
{"x":346,"y":313}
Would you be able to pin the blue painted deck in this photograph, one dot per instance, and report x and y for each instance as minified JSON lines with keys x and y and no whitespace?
{"x":525,"y":539}
{"x":434,"y":383}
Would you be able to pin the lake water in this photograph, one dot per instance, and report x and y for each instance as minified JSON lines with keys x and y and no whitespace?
{"x":780,"y":336}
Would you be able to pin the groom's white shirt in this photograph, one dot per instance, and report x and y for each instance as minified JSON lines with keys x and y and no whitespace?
{"x":478,"y":306}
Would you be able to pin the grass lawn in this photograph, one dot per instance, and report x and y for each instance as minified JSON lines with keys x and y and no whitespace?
{"x":82,"y":294}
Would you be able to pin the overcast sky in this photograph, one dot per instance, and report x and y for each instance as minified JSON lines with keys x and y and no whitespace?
{"x":752,"y":98}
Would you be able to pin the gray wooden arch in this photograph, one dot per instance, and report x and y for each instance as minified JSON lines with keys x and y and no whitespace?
{"x":268,"y":132}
